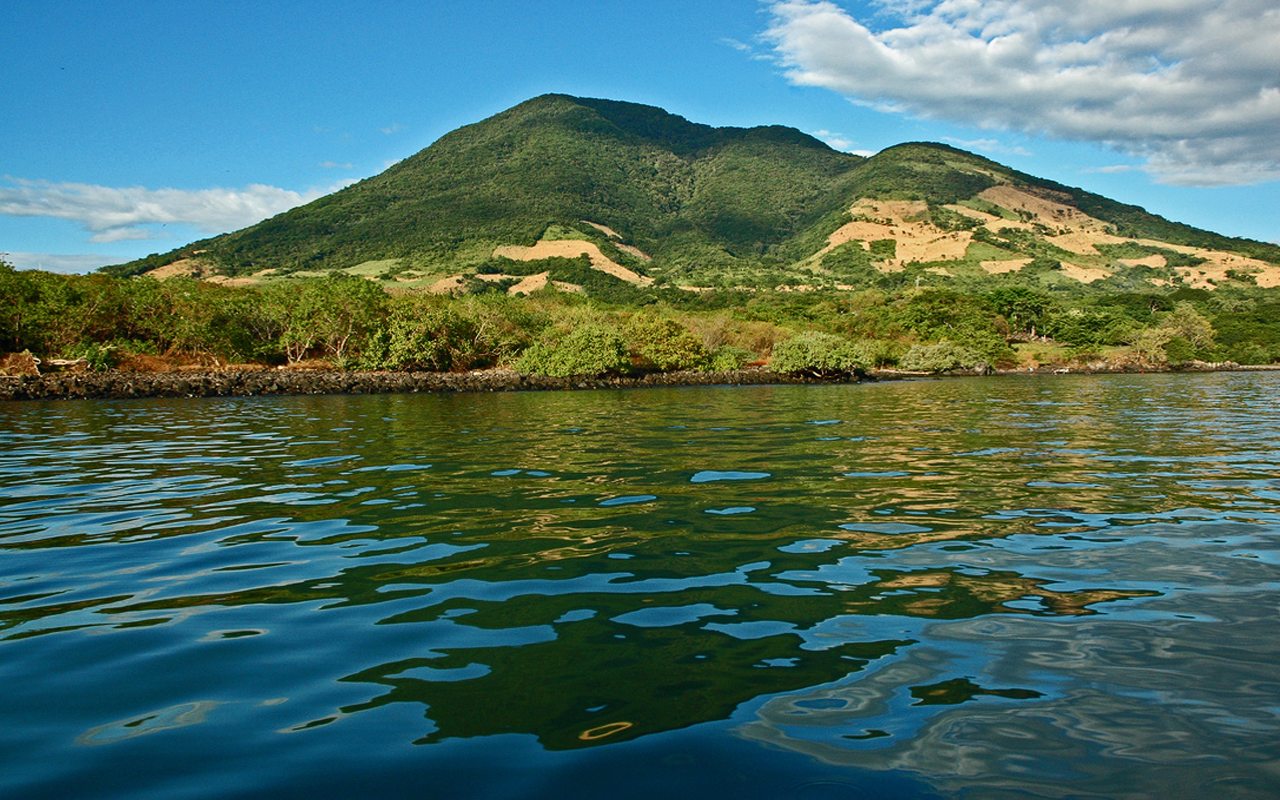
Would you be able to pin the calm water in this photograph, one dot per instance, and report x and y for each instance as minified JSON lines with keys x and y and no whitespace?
{"x":1050,"y":587}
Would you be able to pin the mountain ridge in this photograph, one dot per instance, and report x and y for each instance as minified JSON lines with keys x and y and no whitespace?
{"x":688,"y":204}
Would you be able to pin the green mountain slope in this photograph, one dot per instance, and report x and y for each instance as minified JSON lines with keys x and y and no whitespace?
{"x":688,"y":204}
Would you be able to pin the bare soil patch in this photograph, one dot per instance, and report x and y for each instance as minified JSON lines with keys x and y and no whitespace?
{"x":572,"y":248}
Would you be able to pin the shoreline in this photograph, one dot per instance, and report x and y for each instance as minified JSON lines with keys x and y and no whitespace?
{"x":120,"y":385}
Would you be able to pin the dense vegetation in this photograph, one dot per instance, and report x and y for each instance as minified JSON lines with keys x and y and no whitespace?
{"x":669,"y":186}
{"x":744,"y":214}
{"x":349,"y":322}
{"x":724,"y":207}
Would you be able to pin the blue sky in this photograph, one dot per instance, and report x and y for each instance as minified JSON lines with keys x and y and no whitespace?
{"x":135,"y":127}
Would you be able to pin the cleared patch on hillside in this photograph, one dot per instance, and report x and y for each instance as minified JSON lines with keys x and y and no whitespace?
{"x":906,"y":223}
{"x":991,"y":222}
{"x":1084,"y":274}
{"x":1079,"y":233}
{"x":1219,"y":266}
{"x":618,"y":242}
{"x":182,"y":268}
{"x":1155,"y":261}
{"x":445,"y":285}
{"x":572,"y":248}
{"x":202,"y":270}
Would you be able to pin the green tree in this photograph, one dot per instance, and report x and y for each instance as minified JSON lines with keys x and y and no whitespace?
{"x":664,"y":344}
{"x":941,"y":356}
{"x":588,"y":350}
{"x":821,"y":355}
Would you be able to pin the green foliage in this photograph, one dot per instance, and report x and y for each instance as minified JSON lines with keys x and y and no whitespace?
{"x":332,"y":316}
{"x":728,"y":358}
{"x":925,"y":171}
{"x":1088,"y":327}
{"x":716,"y":207}
{"x":664,"y":344}
{"x":958,"y":318}
{"x":1025,"y":309}
{"x":883,"y":249}
{"x":941,"y":356}
{"x":1134,"y":250}
{"x":948,"y":220}
{"x":589,"y":350}
{"x":99,"y":357}
{"x":818,"y":354}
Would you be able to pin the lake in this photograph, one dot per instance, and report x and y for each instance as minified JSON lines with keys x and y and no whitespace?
{"x":1058,"y":587}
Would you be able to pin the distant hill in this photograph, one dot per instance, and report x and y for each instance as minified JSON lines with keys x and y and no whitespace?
{"x":576,"y":191}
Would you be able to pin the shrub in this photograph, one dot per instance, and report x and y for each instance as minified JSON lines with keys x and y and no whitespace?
{"x":729,"y":358}
{"x":941,"y":357}
{"x":99,"y":357}
{"x":664,"y":344}
{"x":817,"y":354}
{"x":589,"y":350}
{"x":878,"y":352}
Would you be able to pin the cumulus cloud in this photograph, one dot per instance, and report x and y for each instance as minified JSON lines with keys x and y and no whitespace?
{"x":988,"y":146}
{"x":838,"y":141}
{"x":1192,"y":87}
{"x":59,"y":262}
{"x":115,"y":214}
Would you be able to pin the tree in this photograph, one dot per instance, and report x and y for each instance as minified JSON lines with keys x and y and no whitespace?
{"x":821,"y":355}
{"x":589,"y":350}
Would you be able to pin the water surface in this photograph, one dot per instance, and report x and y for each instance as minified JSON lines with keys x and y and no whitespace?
{"x":1049,"y":587}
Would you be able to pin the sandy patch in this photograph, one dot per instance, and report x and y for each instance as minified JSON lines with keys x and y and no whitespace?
{"x":1217,"y":263}
{"x":182,"y":268}
{"x":990,"y":221}
{"x":1215,"y":266}
{"x":572,"y":248}
{"x":530,"y":284}
{"x":605,"y":229}
{"x":617,"y":241}
{"x":633,"y":250}
{"x":1084,"y":274}
{"x":446,"y":285}
{"x":1154,"y":260}
{"x":916,"y":241}
{"x":1077,"y":231}
{"x":1082,"y":242}
{"x":202,"y":270}
{"x":1007,"y":265}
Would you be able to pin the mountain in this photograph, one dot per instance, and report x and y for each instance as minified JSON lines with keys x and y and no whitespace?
{"x":567,"y":188}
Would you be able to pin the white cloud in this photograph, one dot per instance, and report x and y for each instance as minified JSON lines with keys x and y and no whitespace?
{"x":394,"y":127}
{"x":988,"y":146}
{"x":336,"y":165}
{"x":114,"y":214}
{"x":1190,"y":86}
{"x":60,"y":262}
{"x":837,"y":141}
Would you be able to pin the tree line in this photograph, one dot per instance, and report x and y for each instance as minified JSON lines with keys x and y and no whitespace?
{"x":352,"y":323}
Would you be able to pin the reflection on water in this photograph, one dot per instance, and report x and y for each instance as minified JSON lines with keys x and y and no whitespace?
{"x":1041,"y":587}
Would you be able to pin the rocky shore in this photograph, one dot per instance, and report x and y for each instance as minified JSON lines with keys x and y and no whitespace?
{"x":73,"y":385}
{"x":247,"y":383}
